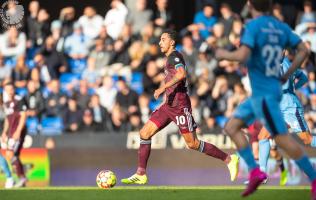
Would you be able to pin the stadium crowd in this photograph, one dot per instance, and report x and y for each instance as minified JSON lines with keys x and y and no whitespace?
{"x":98,"y":73}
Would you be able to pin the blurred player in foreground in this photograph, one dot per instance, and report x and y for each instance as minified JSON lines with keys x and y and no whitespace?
{"x":293,"y":113}
{"x":177,"y":108}
{"x":262,"y":44}
{"x":14,"y":130}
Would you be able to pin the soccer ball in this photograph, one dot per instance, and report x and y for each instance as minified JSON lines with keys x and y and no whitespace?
{"x":106,"y":179}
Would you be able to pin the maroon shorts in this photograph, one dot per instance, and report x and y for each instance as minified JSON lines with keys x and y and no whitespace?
{"x":254,"y":130}
{"x":181,"y":116}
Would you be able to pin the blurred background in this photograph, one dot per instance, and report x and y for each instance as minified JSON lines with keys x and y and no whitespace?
{"x":88,"y":71}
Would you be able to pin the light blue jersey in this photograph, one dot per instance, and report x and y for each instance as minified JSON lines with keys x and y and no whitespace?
{"x":267,"y":38}
{"x":291,"y":107}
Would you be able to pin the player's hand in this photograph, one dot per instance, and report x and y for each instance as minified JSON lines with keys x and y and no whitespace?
{"x":158,"y":92}
{"x":219,"y":54}
{"x":16,"y":135}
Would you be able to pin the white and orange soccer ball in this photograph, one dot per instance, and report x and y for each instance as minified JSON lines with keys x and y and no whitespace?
{"x":106,"y":179}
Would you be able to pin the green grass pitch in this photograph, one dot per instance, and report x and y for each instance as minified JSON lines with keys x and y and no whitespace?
{"x":155,"y":193}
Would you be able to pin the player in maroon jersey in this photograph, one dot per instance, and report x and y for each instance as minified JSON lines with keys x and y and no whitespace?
{"x":14,"y":130}
{"x":177,"y":108}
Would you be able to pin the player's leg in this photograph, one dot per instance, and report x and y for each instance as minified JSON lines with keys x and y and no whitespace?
{"x":279,"y":159}
{"x":211,"y":150}
{"x":157,"y":121}
{"x":13,"y":154}
{"x":5,"y":167}
{"x":275,"y":124}
{"x":244,"y":115}
{"x":264,"y":149}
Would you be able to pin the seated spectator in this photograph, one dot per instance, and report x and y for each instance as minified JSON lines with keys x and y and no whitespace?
{"x":5,"y":70}
{"x":139,"y":17}
{"x":83,"y":96}
{"x":118,"y":119}
{"x":162,"y":16}
{"x":126,"y":98}
{"x":72,"y":116}
{"x":227,"y":18}
{"x":34,"y":100}
{"x":115,"y":18}
{"x":107,"y":93}
{"x":21,"y":73}
{"x":308,"y":15}
{"x":144,"y":109}
{"x":47,"y":73}
{"x":91,"y":75}
{"x":101,"y":119}
{"x":136,"y":53}
{"x":56,"y":101}
{"x":77,"y":44}
{"x":13,"y":43}
{"x":101,"y":55}
{"x":152,"y":78}
{"x":218,"y":39}
{"x":41,"y":29}
{"x":54,"y":60}
{"x":87,"y":124}
{"x":205,"y":20}
{"x":90,"y":22}
{"x":233,"y":101}
{"x":307,"y":31}
{"x":67,"y":18}
{"x":277,"y":12}
{"x":189,"y":53}
{"x":120,"y":53}
{"x":135,"y":122}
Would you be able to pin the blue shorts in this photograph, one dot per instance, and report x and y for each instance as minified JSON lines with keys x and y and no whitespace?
{"x":294,"y":117}
{"x":266,"y":109}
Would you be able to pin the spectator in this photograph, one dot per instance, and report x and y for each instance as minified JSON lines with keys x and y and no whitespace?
{"x":41,"y":28}
{"x":218,"y":39}
{"x":136,"y":54}
{"x":162,"y":16}
{"x":5,"y":70}
{"x":277,"y":12}
{"x":34,"y":100}
{"x":233,"y":101}
{"x":307,"y":31}
{"x":54,"y":60}
{"x":83,"y":96}
{"x":107,"y":93}
{"x":101,"y":117}
{"x":115,"y":18}
{"x":67,"y":18}
{"x":13,"y":43}
{"x":227,"y":18}
{"x":308,"y":15}
{"x":90,"y":22}
{"x":56,"y":101}
{"x":101,"y":55}
{"x":87,"y":121}
{"x":118,"y":119}
{"x":152,"y":78}
{"x":46,"y":72}
{"x":31,"y":22}
{"x":77,"y":45}
{"x":135,"y":122}
{"x":189,"y":53}
{"x":72,"y":116}
{"x":205,"y":20}
{"x":120,"y":53}
{"x":139,"y":17}
{"x":91,"y":75}
{"x":126,"y":98}
{"x":21,"y":73}
{"x":144,"y":109}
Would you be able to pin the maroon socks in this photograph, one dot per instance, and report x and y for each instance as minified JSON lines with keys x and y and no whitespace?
{"x":143,"y":155}
{"x":212,"y":150}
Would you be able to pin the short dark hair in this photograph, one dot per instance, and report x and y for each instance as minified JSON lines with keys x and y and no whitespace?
{"x":172,"y":34}
{"x":261,"y":5}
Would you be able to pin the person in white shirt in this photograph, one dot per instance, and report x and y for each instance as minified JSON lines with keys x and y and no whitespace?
{"x":91,"y":22}
{"x":107,"y":93}
{"x":13,"y":43}
{"x":115,"y":18}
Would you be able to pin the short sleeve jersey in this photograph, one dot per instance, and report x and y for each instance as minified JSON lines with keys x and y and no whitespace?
{"x":267,"y":37}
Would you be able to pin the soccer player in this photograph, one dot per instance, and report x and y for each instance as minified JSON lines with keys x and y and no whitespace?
{"x":177,"y":108}
{"x":293,"y":113}
{"x":14,"y":130}
{"x":262,"y":44}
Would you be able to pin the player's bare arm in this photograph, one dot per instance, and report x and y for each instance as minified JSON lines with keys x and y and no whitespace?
{"x":302,"y":53}
{"x":4,"y":135}
{"x":179,"y":76}
{"x":240,"y":55}
{"x":20,"y":127}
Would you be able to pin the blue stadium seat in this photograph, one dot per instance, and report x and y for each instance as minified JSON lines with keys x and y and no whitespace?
{"x":10,"y":62}
{"x":21,"y":91}
{"x":30,"y":63}
{"x":32,"y":124}
{"x":77,"y":66}
{"x":221,"y":120}
{"x":52,"y":126}
{"x":137,"y":82}
{"x":153,"y":104}
{"x":68,"y":78}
